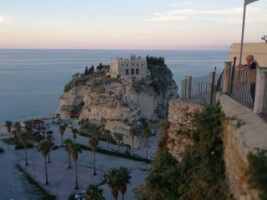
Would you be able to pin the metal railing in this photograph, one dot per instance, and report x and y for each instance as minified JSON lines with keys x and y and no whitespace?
{"x":243,"y":87}
{"x":200,"y":89}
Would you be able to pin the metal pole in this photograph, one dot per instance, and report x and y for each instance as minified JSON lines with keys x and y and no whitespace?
{"x":242,"y":35}
{"x":241,"y":45}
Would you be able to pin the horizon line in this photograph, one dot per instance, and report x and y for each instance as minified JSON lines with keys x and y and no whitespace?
{"x":197,"y":49}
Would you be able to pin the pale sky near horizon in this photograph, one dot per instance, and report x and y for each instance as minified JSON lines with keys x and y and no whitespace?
{"x":121,"y":24}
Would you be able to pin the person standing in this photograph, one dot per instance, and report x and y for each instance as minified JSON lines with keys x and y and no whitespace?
{"x":251,"y":65}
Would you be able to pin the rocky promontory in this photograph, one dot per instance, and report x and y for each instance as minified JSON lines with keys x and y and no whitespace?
{"x":119,"y":102}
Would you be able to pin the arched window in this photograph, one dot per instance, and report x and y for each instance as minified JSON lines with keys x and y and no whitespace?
{"x":132,"y":71}
{"x":137,"y":71}
{"x":127,"y":71}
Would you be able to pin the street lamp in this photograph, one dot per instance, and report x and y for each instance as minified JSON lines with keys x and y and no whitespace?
{"x":246,"y":2}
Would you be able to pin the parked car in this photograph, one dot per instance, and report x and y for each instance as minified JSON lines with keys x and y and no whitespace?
{"x":79,"y":195}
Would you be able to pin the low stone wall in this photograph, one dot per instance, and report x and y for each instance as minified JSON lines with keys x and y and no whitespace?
{"x":244,"y":131}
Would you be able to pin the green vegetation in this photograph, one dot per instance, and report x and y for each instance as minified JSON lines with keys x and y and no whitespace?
{"x":1,"y":150}
{"x":39,"y":189}
{"x":117,"y":154}
{"x":117,"y":181}
{"x":82,"y":80}
{"x":239,"y":123}
{"x":257,"y":172}
{"x":93,"y":192}
{"x":9,"y":141}
{"x":155,"y":61}
{"x":20,"y":146}
{"x":200,"y":174}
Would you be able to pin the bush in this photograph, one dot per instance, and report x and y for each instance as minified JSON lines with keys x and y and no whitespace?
{"x":201,"y":172}
{"x":20,"y":146}
{"x":257,"y":172}
{"x":118,"y":154}
{"x":9,"y":141}
{"x":67,"y":87}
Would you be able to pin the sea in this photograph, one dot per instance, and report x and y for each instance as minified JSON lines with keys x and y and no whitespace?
{"x":32,"y":80}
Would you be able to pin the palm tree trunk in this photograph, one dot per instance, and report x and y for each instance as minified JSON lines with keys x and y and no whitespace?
{"x":107,"y":144}
{"x":61,"y":140}
{"x":122,"y":194}
{"x":69,"y":161}
{"x":94,"y":163}
{"x":119,"y":146}
{"x":46,"y":176}
{"x":132,"y":144}
{"x":26,"y":156}
{"x":49,"y":161}
{"x":76,"y":174}
{"x":147,"y":147}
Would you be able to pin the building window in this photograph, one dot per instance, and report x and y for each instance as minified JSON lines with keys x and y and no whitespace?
{"x":132,"y":64}
{"x":137,"y":71}
{"x":132,"y":71}
{"x":137,"y":65}
{"x":127,"y":71}
{"x":127,"y":65}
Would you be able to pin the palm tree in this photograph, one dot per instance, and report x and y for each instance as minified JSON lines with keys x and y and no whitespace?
{"x":133,"y":132}
{"x":119,"y":137}
{"x":8,"y":125}
{"x":24,"y":138}
{"x":113,"y":182}
{"x":124,"y":179}
{"x":50,"y":139}
{"x":75,"y":149}
{"x":44,"y":148}
{"x":74,"y":133}
{"x":107,"y":135}
{"x":17,"y":128}
{"x":93,"y":143}
{"x":93,"y":192}
{"x":62,"y":129}
{"x":146,"y":134}
{"x":67,"y":145}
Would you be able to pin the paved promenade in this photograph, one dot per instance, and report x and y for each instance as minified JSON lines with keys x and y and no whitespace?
{"x":61,"y":179}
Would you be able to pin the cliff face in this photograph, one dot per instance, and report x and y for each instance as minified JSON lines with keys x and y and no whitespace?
{"x":179,"y":121}
{"x":99,"y":97}
{"x":238,"y":140}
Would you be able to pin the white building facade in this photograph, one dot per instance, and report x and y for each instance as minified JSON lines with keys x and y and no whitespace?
{"x":129,"y":67}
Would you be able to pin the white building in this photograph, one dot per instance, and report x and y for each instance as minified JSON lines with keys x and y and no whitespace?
{"x":129,"y":67}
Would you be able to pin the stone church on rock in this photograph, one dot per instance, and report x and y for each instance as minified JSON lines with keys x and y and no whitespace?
{"x":129,"y":67}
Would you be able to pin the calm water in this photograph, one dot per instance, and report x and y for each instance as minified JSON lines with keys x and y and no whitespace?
{"x":31,"y":81}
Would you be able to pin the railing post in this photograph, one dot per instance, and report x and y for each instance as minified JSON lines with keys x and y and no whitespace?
{"x":187,"y":87}
{"x":232,"y":77}
{"x":261,"y":77}
{"x":212,"y":77}
{"x":226,"y":77}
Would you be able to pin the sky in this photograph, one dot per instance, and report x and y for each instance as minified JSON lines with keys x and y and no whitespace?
{"x":124,"y":24}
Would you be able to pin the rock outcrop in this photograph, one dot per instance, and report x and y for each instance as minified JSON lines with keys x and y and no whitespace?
{"x":99,"y":97}
{"x":179,"y":121}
